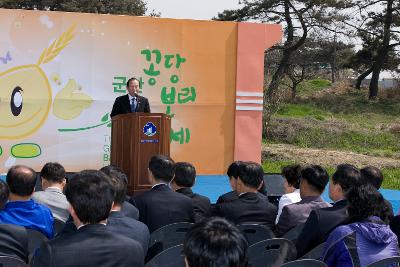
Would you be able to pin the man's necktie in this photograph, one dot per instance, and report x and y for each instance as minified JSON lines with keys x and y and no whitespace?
{"x":133,"y":104}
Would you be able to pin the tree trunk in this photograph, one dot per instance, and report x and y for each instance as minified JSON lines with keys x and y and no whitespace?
{"x":383,"y":50}
{"x":362,"y":77}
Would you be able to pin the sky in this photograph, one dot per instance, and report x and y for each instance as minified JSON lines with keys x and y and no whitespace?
{"x":190,"y":9}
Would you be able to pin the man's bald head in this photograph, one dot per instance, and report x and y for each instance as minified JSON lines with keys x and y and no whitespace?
{"x":21,"y":180}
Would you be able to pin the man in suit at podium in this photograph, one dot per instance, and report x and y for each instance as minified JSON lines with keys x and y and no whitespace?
{"x":131,"y":102}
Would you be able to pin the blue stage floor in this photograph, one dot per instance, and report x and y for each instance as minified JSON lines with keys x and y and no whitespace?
{"x":213,"y":186}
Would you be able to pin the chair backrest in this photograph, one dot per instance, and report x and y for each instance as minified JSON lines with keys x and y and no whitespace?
{"x":58,"y":225}
{"x":271,"y":253}
{"x":305,"y":263}
{"x":255,"y":232}
{"x":315,"y":253}
{"x":8,"y":261}
{"x":35,"y":240}
{"x":171,"y":257}
{"x":392,"y":261}
{"x":170,"y":235}
{"x":294,"y":233}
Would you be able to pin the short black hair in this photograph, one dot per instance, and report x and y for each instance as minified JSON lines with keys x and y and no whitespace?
{"x":53,"y":172}
{"x":251,"y":174}
{"x":91,"y":194}
{"x":347,"y":176}
{"x":132,"y":79}
{"x":215,"y":242}
{"x":372,"y":175}
{"x":21,"y":180}
{"x":292,"y":174}
{"x":316,"y":176}
{"x":162,"y":167}
{"x":119,"y":181}
{"x":185,"y":174}
{"x":4,"y":194}
{"x":234,"y":169}
{"x":365,"y":201}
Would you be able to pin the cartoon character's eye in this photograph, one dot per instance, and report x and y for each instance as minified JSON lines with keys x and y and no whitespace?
{"x":16,"y":101}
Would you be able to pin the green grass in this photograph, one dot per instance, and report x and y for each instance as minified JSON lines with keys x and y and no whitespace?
{"x":311,"y":86}
{"x":302,"y":110}
{"x":391,"y":178}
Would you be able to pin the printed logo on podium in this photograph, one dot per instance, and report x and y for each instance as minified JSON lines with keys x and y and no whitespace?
{"x":149,"y":129}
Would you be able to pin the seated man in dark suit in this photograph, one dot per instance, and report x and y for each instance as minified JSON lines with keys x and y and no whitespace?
{"x":312,"y":183}
{"x":21,"y":209}
{"x":160,"y":205}
{"x":127,"y":208}
{"x":185,"y":176}
{"x":322,"y":221}
{"x":250,"y":206}
{"x":13,"y":238}
{"x":215,"y":242}
{"x":90,"y":194}
{"x":118,"y":222}
{"x":233,"y":174}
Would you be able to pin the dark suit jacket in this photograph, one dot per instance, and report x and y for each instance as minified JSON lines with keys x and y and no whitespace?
{"x":201,"y":204}
{"x":118,"y":223}
{"x":162,"y":206}
{"x":232,"y":195}
{"x":123,"y":106}
{"x":130,"y":210}
{"x":14,"y":241}
{"x":319,"y":225}
{"x":92,"y":245}
{"x":249,"y":208}
{"x":297,"y":213}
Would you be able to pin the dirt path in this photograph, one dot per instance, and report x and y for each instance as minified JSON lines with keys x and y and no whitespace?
{"x":324,"y":157}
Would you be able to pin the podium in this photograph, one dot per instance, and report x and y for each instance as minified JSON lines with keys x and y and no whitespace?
{"x":135,"y":138}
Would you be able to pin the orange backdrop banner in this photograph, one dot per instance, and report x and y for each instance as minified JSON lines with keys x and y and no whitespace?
{"x":60,"y":73}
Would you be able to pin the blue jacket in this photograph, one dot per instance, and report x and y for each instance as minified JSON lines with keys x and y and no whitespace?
{"x":360,"y":244}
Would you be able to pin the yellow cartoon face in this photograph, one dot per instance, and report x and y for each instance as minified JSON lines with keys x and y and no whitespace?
{"x":25,"y":100}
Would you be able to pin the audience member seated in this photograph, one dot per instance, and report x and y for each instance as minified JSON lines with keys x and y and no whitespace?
{"x":53,"y":182}
{"x":312,"y":183}
{"x":368,"y":238}
{"x":292,"y":174}
{"x":233,"y":174}
{"x":183,"y":181}
{"x":322,"y":221}
{"x":118,"y":222}
{"x":127,"y":208}
{"x":4,"y":194}
{"x":161,"y":205}
{"x":215,"y":242}
{"x":21,"y":209}
{"x":90,"y":194}
{"x":13,"y":238}
{"x":250,"y":206}
{"x":372,"y":175}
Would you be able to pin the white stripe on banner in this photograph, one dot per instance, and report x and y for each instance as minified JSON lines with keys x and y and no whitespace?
{"x":249,"y":101}
{"x":249,"y":108}
{"x":241,"y":93}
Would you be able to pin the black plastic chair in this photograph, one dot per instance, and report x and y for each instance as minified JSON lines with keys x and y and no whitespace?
{"x":58,"y":226}
{"x":255,"y":232}
{"x":294,"y":233}
{"x":35,"y":240}
{"x":8,"y":261}
{"x":394,"y":261}
{"x":167,"y":236}
{"x":171,"y":257}
{"x":271,"y":253}
{"x":305,"y":263}
{"x":315,"y":253}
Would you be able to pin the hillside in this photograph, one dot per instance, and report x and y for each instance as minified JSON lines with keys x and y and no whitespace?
{"x":329,"y":125}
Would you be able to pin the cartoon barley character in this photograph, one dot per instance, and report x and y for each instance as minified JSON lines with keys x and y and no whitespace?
{"x":26,"y":97}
